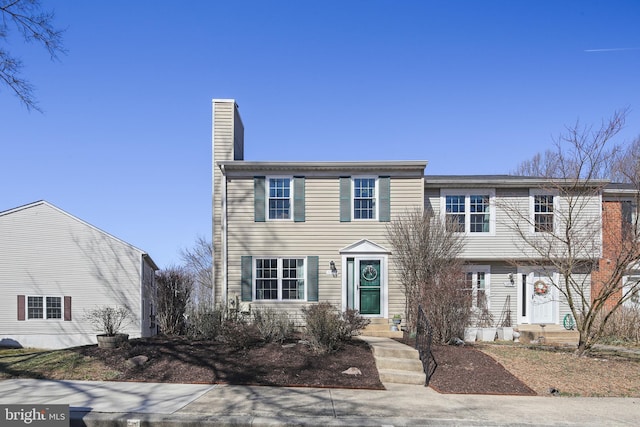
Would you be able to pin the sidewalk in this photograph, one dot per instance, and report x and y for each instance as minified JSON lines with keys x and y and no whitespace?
{"x":139,"y":404}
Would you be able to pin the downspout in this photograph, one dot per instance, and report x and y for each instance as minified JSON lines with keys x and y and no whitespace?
{"x":223,"y":236}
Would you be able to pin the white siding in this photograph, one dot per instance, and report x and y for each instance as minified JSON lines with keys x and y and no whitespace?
{"x":512,"y":209}
{"x":44,"y":251}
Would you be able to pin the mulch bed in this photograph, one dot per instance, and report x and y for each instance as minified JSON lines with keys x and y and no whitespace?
{"x":465,"y":370}
{"x":178,"y":360}
{"x":461,"y":369}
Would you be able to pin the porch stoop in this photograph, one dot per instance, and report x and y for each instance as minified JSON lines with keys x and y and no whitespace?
{"x":381,"y":328}
{"x":396,"y":362}
{"x":555,"y":335}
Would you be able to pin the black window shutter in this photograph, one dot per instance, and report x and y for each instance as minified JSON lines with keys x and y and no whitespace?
{"x":299,"y":199}
{"x":384,"y":188}
{"x":312,"y":278}
{"x":246,"y":267}
{"x":258,"y":198}
{"x":345,"y":199}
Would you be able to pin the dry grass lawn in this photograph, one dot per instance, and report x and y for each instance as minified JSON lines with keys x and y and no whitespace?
{"x":606,"y":373}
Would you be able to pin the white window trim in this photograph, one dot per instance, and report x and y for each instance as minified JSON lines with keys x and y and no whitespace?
{"x":633,"y":301}
{"x":486,"y":269}
{"x":279,"y":266}
{"x":376,"y":201}
{"x":532,"y":214}
{"x":44,"y":308}
{"x":266,"y":198}
{"x":467,"y":193}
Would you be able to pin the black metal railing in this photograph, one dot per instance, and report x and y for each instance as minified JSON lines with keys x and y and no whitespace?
{"x":424,"y":338}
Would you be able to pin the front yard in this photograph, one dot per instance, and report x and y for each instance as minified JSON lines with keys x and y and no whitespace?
{"x":462,"y":369}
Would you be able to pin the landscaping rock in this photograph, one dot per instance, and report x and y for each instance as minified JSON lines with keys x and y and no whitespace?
{"x":352,"y":371}
{"x":137,"y":361}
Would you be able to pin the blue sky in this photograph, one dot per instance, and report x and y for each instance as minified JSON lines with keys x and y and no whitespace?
{"x":473,"y":87}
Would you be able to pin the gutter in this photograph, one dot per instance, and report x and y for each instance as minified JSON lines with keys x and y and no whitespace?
{"x":223,"y":236}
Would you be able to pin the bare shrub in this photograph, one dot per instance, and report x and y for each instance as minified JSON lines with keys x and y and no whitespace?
{"x":354,"y":323}
{"x":327,"y":329}
{"x":237,"y":334}
{"x":204,"y":323}
{"x":174,"y":286}
{"x":108,"y":320}
{"x":273,"y":325}
{"x":427,"y":253}
{"x":623,"y":327}
{"x":447,"y":305}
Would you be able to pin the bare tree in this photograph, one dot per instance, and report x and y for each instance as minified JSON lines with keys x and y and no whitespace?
{"x":26,"y":17}
{"x":427,"y":256}
{"x":198,"y":261}
{"x":571,"y":243}
{"x":174,"y":285}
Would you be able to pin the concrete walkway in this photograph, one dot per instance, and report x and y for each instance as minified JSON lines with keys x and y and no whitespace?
{"x":133,"y":404}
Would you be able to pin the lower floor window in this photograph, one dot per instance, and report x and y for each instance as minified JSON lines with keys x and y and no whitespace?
{"x":280,"y":279}
{"x":44,"y":307}
{"x":478,"y":283}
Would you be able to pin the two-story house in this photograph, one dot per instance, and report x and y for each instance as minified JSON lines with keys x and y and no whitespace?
{"x":288,"y":234}
{"x":291,"y":233}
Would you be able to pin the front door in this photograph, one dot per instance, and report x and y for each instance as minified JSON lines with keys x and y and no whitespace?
{"x":537,"y":305}
{"x":369,"y":286}
{"x":541,"y":300}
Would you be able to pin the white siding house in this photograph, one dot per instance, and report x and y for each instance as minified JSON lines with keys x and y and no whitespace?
{"x":54,"y":267}
{"x":500,"y":216}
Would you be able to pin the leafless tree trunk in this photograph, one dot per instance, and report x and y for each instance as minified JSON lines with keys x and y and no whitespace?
{"x":174,"y":286}
{"x":198,"y":262}
{"x":427,"y":257}
{"x":575,"y":174}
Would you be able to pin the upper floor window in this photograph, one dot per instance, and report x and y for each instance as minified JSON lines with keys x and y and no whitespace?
{"x":280,"y":198}
{"x":629,"y":212}
{"x":279,"y":279}
{"x":364,"y":198}
{"x":543,"y":213}
{"x":39,"y":307}
{"x":470,"y":212}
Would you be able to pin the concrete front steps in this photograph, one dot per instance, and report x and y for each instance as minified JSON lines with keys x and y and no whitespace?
{"x":396,"y":362}
{"x":555,"y":335}
{"x":381,"y":328}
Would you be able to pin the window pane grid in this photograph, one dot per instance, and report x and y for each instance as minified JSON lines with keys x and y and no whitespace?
{"x":455,"y":213}
{"x":364,"y":198}
{"x":479,"y":208}
{"x":54,"y":308}
{"x":279,"y":198}
{"x":267,"y":279}
{"x":543,"y":213}
{"x":35,"y":308}
{"x":280,"y":276}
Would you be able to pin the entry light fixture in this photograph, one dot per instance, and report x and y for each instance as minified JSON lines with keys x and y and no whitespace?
{"x":334,"y":270}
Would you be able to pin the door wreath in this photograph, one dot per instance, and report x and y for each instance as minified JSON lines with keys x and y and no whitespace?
{"x":540,"y":288}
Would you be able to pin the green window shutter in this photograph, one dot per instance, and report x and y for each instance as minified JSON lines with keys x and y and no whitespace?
{"x":246,"y":267}
{"x":298,"y":199}
{"x":345,"y":199}
{"x":384,"y":188}
{"x":258,"y":198}
{"x":312,"y":278}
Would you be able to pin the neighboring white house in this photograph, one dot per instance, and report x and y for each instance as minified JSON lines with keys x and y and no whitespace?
{"x":54,"y":267}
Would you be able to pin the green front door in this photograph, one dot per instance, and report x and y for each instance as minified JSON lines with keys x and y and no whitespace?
{"x":370,"y":286}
